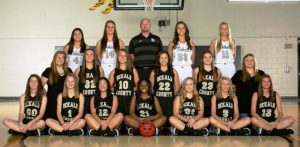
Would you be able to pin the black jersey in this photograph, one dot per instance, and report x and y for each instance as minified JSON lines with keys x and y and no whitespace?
{"x":31,"y":108}
{"x":207,"y":87}
{"x":225,"y":108}
{"x":103,"y":106}
{"x":124,"y":80}
{"x":189,"y":109}
{"x":89,"y":87}
{"x":164,"y":84}
{"x":144,"y":107}
{"x":266,"y":108}
{"x":70,"y":108}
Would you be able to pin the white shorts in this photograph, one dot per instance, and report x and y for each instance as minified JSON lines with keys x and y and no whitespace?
{"x":227,"y":69}
{"x":107,"y":68}
{"x":183,"y":72}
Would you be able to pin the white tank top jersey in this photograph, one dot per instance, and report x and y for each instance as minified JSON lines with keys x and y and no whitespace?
{"x":182,"y":55}
{"x":225,"y":55}
{"x":109,"y":55}
{"x":75,"y":59}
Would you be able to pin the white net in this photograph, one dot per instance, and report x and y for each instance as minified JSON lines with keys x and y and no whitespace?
{"x":149,"y":5}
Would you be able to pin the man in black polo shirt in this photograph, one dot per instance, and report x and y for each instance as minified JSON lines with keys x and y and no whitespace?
{"x":143,"y":49}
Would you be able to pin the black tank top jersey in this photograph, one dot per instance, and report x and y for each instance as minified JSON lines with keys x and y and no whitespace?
{"x":70,"y":107}
{"x":89,"y":87}
{"x":31,"y":108}
{"x":189,"y":109}
{"x":266,"y":108}
{"x":103,"y":106}
{"x":145,"y":108}
{"x":225,"y":108}
{"x":207,"y":87}
{"x":164,"y":84}
{"x":124,"y":80}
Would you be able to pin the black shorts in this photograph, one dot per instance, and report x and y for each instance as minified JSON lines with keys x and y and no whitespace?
{"x":87,"y":100}
{"x":166,"y":105}
{"x":26,"y":121}
{"x":124,"y":104}
{"x":272,"y":119}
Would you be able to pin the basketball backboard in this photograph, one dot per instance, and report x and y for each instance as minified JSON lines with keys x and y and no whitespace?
{"x":139,"y":4}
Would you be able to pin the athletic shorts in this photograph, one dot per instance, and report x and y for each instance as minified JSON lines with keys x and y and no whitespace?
{"x":183,"y":72}
{"x":227,"y":69}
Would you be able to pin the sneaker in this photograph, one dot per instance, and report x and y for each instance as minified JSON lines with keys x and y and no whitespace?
{"x":78,"y":132}
{"x":280,"y":132}
{"x":243,"y":131}
{"x":112,"y":133}
{"x":53,"y":132}
{"x":173,"y":131}
{"x":202,"y":132}
{"x":259,"y":131}
{"x":157,"y":131}
{"x":132,"y":131}
{"x":13,"y":132}
{"x":92,"y":132}
{"x":36,"y":132}
{"x":218,"y":131}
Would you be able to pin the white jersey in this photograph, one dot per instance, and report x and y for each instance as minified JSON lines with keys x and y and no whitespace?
{"x":225,"y":55}
{"x":182,"y":55}
{"x":109,"y":55}
{"x":75,"y":59}
{"x":108,"y":59}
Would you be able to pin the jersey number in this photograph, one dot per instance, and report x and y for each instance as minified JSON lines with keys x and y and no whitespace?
{"x":76,"y":60}
{"x":89,"y":84}
{"x":144,"y":114}
{"x":164,"y":86}
{"x":123,"y":84}
{"x":225,"y":113}
{"x":31,"y":112}
{"x":266,"y":112}
{"x":103,"y":112}
{"x":188,"y":111}
{"x":70,"y":113}
{"x":225,"y":54}
{"x":207,"y":85}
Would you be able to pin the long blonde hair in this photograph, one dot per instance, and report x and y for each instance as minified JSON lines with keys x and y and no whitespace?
{"x":219,"y":43}
{"x":76,"y":86}
{"x":219,"y":90}
{"x":196,"y":97}
{"x":53,"y":76}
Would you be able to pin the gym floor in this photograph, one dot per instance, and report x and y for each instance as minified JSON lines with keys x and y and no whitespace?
{"x":9,"y":108}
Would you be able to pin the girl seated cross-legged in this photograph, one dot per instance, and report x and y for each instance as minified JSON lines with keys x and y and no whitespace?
{"x":144,"y":107}
{"x":103,"y":120}
{"x":264,"y":104}
{"x":188,"y":111}
{"x":225,"y":111}
{"x":70,"y":105}
{"x":32,"y":108}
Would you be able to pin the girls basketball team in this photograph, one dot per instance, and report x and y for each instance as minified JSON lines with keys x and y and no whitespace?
{"x":96,"y":100}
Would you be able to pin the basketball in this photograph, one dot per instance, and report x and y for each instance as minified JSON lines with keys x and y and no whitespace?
{"x":147,"y":129}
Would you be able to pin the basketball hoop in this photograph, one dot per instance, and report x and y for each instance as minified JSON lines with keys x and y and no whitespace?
{"x":149,"y":5}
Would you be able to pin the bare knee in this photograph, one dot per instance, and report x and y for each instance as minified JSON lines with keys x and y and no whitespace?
{"x":172,"y":119}
{"x":87,"y":116}
{"x":120,"y":116}
{"x":82,"y":122}
{"x":206,"y":121}
{"x":212,"y":120}
{"x":247,"y":120}
{"x":253,"y":119}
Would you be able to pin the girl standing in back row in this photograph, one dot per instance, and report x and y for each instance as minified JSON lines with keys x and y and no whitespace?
{"x":182,"y":51}
{"x":108,"y":46}
{"x":224,"y":50}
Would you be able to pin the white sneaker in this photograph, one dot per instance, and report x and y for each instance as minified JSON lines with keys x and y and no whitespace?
{"x":259,"y":131}
{"x":218,"y":131}
{"x":173,"y":131}
{"x":156,"y":131}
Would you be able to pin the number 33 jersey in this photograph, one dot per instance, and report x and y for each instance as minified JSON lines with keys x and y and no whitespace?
{"x":225,"y":108}
{"x":103,"y":106}
{"x":266,"y":108}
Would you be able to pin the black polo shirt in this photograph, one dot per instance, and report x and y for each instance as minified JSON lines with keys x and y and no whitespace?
{"x":145,"y":49}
